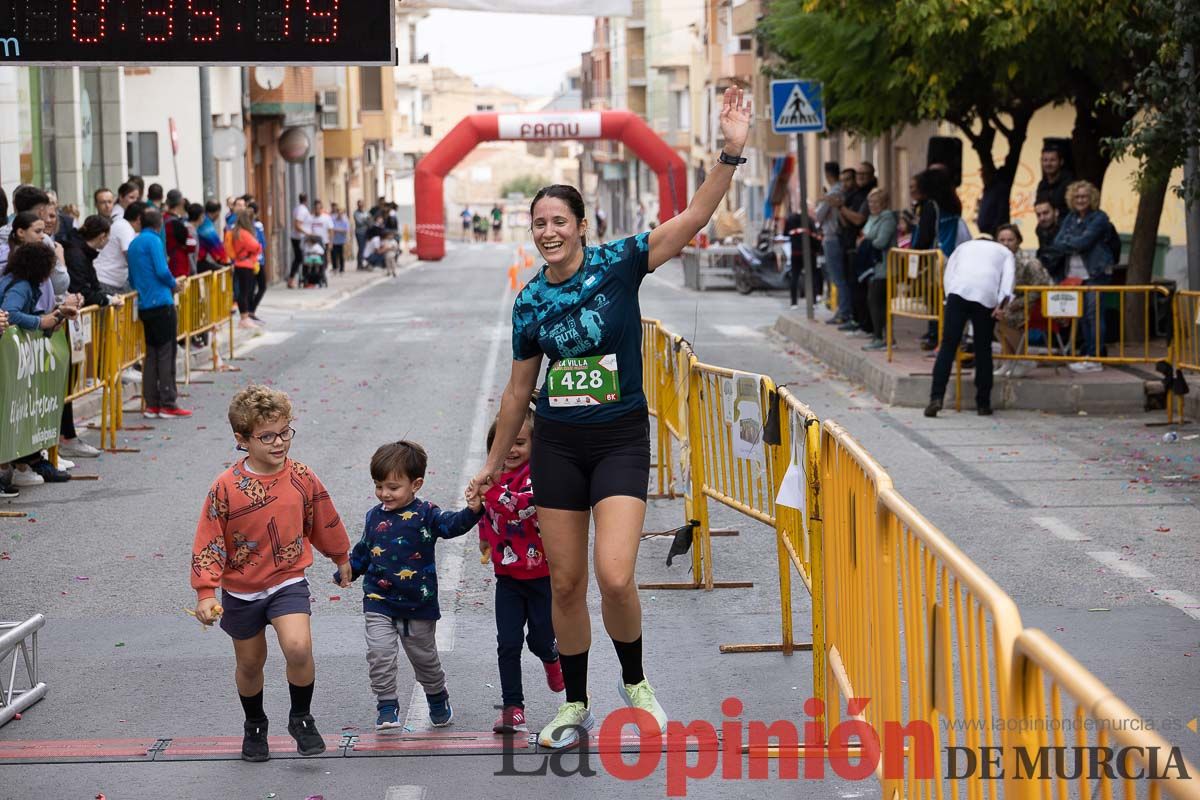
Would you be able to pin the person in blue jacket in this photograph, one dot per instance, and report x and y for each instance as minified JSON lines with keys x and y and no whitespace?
{"x":156,"y":288}
{"x":1084,"y":240}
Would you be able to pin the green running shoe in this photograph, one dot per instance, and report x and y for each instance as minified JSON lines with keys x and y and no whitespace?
{"x":565,"y":729}
{"x":641,"y":695}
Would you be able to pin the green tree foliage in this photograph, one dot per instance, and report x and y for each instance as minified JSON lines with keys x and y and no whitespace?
{"x":1165,"y":93}
{"x":983,"y":65}
{"x":527,"y":185}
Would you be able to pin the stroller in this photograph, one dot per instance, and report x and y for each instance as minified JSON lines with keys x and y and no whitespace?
{"x":314,"y":262}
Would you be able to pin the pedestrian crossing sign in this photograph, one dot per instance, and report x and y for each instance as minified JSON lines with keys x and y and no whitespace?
{"x":797,"y":107}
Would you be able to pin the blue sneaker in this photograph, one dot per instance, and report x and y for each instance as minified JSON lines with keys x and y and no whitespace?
{"x":389,"y":716}
{"x":440,"y":712}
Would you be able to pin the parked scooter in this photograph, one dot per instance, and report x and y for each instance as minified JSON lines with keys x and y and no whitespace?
{"x":761,"y":266}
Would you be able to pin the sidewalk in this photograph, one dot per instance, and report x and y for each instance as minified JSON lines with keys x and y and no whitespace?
{"x":341,"y":286}
{"x":907,"y":379}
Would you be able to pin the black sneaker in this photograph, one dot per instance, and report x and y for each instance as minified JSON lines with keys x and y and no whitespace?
{"x":49,"y":473}
{"x":254,"y":742}
{"x":8,"y":491}
{"x":984,"y":411}
{"x":304,"y":731}
{"x":933,"y":408}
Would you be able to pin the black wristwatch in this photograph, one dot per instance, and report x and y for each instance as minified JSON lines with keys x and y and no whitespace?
{"x":732,"y":161}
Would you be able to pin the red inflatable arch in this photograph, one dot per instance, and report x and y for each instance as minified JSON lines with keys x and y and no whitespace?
{"x":623,"y":125}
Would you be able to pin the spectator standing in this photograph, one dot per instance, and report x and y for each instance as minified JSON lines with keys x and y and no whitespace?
{"x":879,"y":236}
{"x":156,"y":288}
{"x":904,"y":229}
{"x":260,"y":278}
{"x":321,"y":226}
{"x":154,"y":196}
{"x":1048,"y":225}
{"x":80,"y":252}
{"x":105,"y":202}
{"x":826,"y":214}
{"x":246,"y":251}
{"x":1056,"y":179}
{"x":210,"y":248}
{"x":852,"y":215}
{"x":1029,"y":272}
{"x":179,"y":245}
{"x":112,"y":267}
{"x":797,"y":226}
{"x":195,"y":215}
{"x":362,"y":221}
{"x":1086,"y":240}
{"x":497,"y":222}
{"x":467,"y":218}
{"x":340,"y":224}
{"x":979,"y":284}
{"x":300,"y":221}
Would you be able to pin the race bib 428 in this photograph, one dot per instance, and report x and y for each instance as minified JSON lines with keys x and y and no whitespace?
{"x":590,"y":381}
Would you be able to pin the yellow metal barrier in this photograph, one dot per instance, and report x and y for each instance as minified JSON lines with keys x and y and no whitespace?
{"x":88,"y":373}
{"x":1060,"y":310}
{"x":1043,"y":677}
{"x":911,"y":623}
{"x":914,"y":287}
{"x":1185,"y":343}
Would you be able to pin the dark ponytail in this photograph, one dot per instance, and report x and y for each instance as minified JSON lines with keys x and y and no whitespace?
{"x":569,"y":195}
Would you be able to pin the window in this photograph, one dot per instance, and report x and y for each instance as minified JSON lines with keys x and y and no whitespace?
{"x":141,"y":149}
{"x":329,"y":108}
{"x":427,"y":102}
{"x":427,"y":130}
{"x":371,"y":79}
{"x":680,"y":111}
{"x":484,"y":107}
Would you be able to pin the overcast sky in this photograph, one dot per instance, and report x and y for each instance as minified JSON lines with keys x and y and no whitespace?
{"x":527,"y":54}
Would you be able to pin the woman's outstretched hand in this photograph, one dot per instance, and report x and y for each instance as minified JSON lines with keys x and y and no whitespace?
{"x":735,"y":120}
{"x":486,"y":479}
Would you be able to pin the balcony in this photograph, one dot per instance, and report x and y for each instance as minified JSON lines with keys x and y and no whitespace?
{"x":637,"y":70}
{"x":745,"y":17}
{"x":738,"y":65}
{"x":638,"y":18}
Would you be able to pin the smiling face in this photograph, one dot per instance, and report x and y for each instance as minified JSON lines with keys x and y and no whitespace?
{"x":397,"y":491}
{"x":267,"y":458}
{"x":518,"y":454}
{"x":556,"y":232}
{"x":1081,"y":200}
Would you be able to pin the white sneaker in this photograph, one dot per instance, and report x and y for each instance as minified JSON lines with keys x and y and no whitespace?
{"x":131,"y":375}
{"x":77,"y":448}
{"x":563,"y":730}
{"x":641,"y":695}
{"x":1022,"y":368}
{"x":65,"y":463}
{"x":26,"y":477}
{"x":1004,"y":371}
{"x":1085,"y":366}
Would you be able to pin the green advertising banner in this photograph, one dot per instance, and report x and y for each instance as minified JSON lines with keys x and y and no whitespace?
{"x":33,"y":382}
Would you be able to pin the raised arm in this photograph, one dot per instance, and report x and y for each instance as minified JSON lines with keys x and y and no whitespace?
{"x":673,"y":235}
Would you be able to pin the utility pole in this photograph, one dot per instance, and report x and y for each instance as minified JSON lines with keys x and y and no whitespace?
{"x":207,"y":163}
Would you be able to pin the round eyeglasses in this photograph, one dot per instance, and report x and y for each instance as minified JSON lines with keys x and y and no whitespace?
{"x":271,"y":437}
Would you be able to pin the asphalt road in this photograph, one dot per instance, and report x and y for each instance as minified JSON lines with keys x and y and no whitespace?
{"x":1068,"y":515}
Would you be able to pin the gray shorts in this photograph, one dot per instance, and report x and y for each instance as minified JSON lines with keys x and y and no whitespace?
{"x":245,"y":619}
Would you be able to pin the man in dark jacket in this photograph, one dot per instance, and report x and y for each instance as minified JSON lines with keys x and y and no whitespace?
{"x":1048,"y":223}
{"x":1055,"y":179}
{"x":82,"y":246}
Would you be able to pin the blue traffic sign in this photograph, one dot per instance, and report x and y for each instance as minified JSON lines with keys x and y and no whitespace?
{"x":797,"y":107}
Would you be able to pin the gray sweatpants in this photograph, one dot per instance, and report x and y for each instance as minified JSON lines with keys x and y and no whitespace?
{"x":419,"y":639}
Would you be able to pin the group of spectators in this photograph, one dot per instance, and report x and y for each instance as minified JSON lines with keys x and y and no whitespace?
{"x":854,"y":226}
{"x":319,"y":239}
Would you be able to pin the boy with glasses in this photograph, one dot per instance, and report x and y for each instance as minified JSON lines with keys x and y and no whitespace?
{"x":260,"y":521}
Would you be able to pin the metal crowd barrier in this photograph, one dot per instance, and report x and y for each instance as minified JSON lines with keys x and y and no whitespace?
{"x":18,"y":641}
{"x":1057,"y":706}
{"x":1185,"y":343}
{"x":908,"y":633}
{"x":88,"y":373}
{"x":914,"y":287}
{"x":1058,"y":311}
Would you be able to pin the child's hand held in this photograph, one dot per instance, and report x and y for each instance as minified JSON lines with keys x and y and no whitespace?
{"x":345,"y":575}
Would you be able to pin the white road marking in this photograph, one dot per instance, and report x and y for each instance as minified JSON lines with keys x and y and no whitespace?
{"x":1061,"y":529}
{"x":450,"y":569}
{"x":738,"y":331}
{"x":659,"y":279}
{"x":1112,"y":560}
{"x":1184,"y":602}
{"x":405,"y":793}
{"x":262,"y":340}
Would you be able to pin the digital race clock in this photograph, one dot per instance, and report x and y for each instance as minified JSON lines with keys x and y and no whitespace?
{"x":121,"y":32}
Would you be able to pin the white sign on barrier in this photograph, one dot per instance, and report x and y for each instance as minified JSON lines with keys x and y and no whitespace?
{"x":914,"y":266}
{"x":1062,"y":303}
{"x":578,"y":125}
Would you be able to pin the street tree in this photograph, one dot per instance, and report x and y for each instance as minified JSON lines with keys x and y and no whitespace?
{"x":527,"y":185}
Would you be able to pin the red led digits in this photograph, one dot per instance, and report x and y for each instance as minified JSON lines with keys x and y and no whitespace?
{"x":274,"y":23}
{"x":154,"y":32}
{"x":87,"y":27}
{"x":321,"y":27}
{"x":204,"y":26}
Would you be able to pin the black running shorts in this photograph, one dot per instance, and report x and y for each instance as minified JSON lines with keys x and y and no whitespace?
{"x":574,"y":467}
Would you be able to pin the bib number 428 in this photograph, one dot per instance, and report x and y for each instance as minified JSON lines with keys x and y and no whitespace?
{"x":588,"y":381}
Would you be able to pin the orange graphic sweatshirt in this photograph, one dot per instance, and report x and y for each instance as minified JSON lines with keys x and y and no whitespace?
{"x":255,"y":530}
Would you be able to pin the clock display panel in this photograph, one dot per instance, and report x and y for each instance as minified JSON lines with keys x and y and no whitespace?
{"x":117,"y":32}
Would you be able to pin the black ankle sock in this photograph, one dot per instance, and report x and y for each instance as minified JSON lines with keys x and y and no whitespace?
{"x":574,"y":669}
{"x":301,"y":698}
{"x":630,"y":656}
{"x":253,"y":706}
